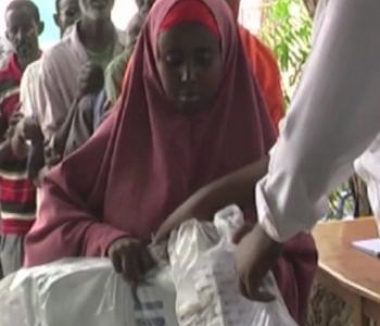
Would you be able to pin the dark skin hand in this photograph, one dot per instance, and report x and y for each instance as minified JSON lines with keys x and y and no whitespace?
{"x":131,"y":259}
{"x":255,"y":255}
{"x":24,"y":128}
{"x":16,"y":139}
{"x":31,"y":129}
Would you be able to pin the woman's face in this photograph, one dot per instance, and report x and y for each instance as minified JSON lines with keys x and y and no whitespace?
{"x":190,"y":66}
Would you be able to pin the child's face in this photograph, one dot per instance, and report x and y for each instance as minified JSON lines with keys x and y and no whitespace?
{"x":190,"y":66}
{"x":67,"y":14}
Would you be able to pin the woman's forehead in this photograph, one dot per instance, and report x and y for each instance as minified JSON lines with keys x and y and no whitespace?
{"x":187,"y":35}
{"x":162,"y":7}
{"x":219,"y":8}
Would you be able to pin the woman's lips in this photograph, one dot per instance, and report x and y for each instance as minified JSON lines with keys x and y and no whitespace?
{"x":189,"y":98}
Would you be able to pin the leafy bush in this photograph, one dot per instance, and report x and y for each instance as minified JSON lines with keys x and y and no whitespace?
{"x":287,"y":30}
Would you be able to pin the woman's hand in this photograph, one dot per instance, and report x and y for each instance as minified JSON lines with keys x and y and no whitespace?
{"x":131,"y":259}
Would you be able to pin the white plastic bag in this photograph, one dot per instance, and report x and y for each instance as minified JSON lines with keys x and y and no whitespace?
{"x":204,"y":274}
{"x":85,"y":292}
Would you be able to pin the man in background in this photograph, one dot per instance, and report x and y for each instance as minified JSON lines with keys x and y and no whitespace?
{"x":17,"y":193}
{"x":95,"y":102}
{"x":34,"y":121}
{"x":92,"y":42}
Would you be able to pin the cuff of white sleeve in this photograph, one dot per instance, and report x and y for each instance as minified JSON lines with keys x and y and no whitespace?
{"x":283,"y":228}
{"x":264,"y":216}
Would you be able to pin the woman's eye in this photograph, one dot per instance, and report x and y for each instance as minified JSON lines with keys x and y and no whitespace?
{"x":173,"y":59}
{"x":204,"y":58}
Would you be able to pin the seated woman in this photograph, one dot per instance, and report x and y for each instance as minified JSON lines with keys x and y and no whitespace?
{"x":261,"y":59}
{"x":190,"y":114}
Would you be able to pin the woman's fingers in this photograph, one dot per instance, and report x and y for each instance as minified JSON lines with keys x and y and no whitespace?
{"x":131,"y":259}
{"x":131,"y":267}
{"x":147,"y":261}
{"x":116,"y":262}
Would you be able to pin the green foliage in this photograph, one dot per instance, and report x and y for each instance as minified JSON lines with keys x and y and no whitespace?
{"x":341,"y":203}
{"x":287,"y":30}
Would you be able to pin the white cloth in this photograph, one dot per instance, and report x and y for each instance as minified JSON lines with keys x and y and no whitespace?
{"x":204,"y":273}
{"x":85,"y":292}
{"x":5,"y":51}
{"x":198,"y":288}
{"x":32,"y":103}
{"x":332,"y":120}
{"x":29,"y":99}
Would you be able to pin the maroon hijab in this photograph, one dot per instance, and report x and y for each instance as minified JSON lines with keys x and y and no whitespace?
{"x":148,"y":158}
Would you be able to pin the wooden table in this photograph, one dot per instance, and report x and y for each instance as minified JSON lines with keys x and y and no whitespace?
{"x":350,"y":274}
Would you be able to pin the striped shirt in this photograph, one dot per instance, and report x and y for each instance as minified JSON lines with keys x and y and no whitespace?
{"x":17,"y":193}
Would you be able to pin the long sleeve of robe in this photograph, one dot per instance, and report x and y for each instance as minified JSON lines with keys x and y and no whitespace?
{"x":332,"y":120}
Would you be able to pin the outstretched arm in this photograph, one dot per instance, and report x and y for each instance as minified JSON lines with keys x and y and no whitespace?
{"x":333,"y":119}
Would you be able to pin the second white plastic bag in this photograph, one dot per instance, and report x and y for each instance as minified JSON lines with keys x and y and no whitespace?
{"x":204,"y":273}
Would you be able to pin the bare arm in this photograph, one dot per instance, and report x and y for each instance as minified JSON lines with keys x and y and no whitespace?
{"x":333,"y":119}
{"x":235,"y":188}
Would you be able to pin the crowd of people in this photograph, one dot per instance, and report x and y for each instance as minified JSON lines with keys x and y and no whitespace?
{"x":109,"y":136}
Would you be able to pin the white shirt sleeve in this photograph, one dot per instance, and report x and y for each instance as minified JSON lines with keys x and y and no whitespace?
{"x":334,"y":117}
{"x":28,"y":90}
{"x":52,"y":94}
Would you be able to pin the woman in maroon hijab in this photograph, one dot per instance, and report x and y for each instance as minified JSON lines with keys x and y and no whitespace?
{"x":190,"y":112}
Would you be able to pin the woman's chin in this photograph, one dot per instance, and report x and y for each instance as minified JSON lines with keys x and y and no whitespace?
{"x":191,"y":107}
